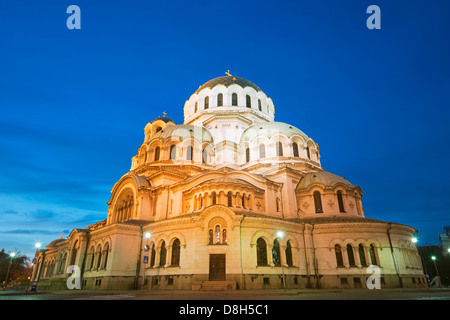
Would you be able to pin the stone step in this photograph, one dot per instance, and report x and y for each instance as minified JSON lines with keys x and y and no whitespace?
{"x":214,"y":285}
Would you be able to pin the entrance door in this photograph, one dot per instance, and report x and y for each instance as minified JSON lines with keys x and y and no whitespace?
{"x":217,"y":267}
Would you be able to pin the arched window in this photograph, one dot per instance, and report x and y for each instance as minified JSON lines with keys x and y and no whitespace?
{"x":351,"y":256}
{"x":248,"y":101}
{"x":247,"y":155}
{"x":99,"y":257}
{"x":279,"y":147}
{"x":276,"y":253}
{"x":220,"y":100}
{"x":278,"y":203}
{"x":338,"y":252}
{"x":362,"y":255}
{"x":289,"y":254}
{"x":406,"y":256}
{"x":373,"y":257}
{"x":105,"y":256}
{"x":210,"y":236}
{"x":230,"y":199}
{"x":175,"y":253}
{"x":217,"y":234}
{"x":91,"y":258}
{"x":234,"y":99}
{"x":295,"y":149}
{"x":162,"y":255}
{"x":307,"y":153}
{"x":205,"y":156}
{"x":153,"y":256}
{"x":145,"y":155}
{"x":214,"y":198}
{"x":64,"y":260}
{"x":206,"y":102}
{"x":259,"y":105}
{"x":261,"y":252}
{"x":189,"y":152}
{"x":157,"y":153}
{"x":262,"y":151}
{"x":340,"y":201}
{"x":173,"y":152}
{"x":243,"y":201}
{"x":224,"y":236}
{"x":74,"y":252}
{"x":158,"y":129}
{"x":196,"y":106}
{"x":318,"y":202}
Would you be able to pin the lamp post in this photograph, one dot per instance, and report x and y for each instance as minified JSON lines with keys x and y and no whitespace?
{"x":145,"y":261}
{"x":414,"y":240}
{"x":12,"y":255}
{"x":37,"y":246}
{"x":437,"y":272}
{"x":280,"y":234}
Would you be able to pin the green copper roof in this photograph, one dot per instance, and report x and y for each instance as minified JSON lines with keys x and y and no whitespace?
{"x":184,"y":131}
{"x":324,"y":178}
{"x":270,"y":129}
{"x":228,"y":81}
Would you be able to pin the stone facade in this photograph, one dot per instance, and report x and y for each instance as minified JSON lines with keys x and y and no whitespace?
{"x":231,"y":196}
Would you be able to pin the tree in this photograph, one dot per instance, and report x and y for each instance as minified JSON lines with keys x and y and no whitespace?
{"x":20,"y":267}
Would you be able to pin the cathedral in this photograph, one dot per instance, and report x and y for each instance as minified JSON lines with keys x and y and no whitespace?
{"x":231,"y":200}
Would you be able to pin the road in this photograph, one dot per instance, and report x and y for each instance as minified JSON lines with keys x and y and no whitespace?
{"x":394,"y":303}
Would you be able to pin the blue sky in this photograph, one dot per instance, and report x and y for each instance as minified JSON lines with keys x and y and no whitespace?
{"x":74,"y":103}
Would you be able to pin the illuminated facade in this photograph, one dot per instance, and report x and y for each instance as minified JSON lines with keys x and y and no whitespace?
{"x":231,"y":199}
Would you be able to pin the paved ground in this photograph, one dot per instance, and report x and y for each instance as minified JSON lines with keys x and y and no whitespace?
{"x":188,"y":304}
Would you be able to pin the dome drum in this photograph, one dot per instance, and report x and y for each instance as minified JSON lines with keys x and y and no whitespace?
{"x":323,"y":193}
{"x":223,"y":94}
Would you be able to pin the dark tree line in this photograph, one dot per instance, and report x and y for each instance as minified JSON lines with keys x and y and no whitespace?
{"x":442,"y":262}
{"x":20,"y":268}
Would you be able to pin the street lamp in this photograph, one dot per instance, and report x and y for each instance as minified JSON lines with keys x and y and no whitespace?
{"x":437,"y":272}
{"x":12,"y":255}
{"x":280,"y":234}
{"x":414,"y":240}
{"x":147,"y":236}
{"x":37,"y":246}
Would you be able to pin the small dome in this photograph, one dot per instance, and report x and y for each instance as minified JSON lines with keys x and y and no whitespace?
{"x":165,"y":119}
{"x":184,"y":131}
{"x":324,"y":178}
{"x":55,"y":242}
{"x":270,"y":129}
{"x":228,"y":181}
{"x":228,"y":81}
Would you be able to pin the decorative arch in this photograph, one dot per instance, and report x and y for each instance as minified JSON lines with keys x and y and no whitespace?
{"x":177,"y":235}
{"x":124,"y":205}
{"x":266,"y":235}
{"x":218,"y":210}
